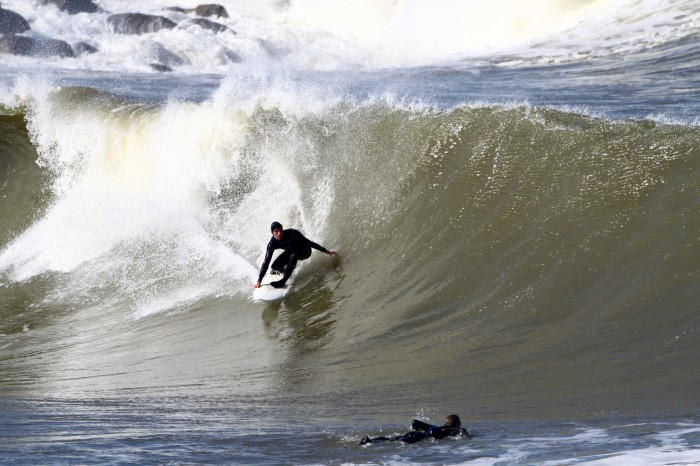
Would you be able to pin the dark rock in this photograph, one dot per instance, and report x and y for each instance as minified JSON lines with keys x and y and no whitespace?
{"x":161,"y":68}
{"x":81,"y":48}
{"x":12,"y":23}
{"x":210,"y":25}
{"x":19,"y":45}
{"x":165,"y":56}
{"x":51,"y":47}
{"x":73,"y":6}
{"x":211,"y":10}
{"x":16,"y":45}
{"x":138,"y":23}
{"x":202,"y":10}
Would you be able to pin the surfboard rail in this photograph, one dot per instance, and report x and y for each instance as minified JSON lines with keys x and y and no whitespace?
{"x":267,"y":292}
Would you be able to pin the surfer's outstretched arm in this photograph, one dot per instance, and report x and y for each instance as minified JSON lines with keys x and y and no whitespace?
{"x":265,"y":265}
{"x":317,"y":246}
{"x":408,"y":437}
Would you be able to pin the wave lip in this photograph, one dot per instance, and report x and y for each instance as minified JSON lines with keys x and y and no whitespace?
{"x":497,"y":242}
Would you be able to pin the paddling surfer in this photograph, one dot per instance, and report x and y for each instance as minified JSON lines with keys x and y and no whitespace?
{"x":422,"y":430}
{"x":296,"y":248}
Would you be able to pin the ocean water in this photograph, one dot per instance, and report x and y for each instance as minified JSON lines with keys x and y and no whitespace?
{"x":513,"y":189}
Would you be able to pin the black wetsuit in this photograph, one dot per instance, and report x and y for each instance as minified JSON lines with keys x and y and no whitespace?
{"x":422,"y":431}
{"x":296,"y":247}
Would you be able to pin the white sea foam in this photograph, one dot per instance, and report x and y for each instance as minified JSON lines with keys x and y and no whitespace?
{"x":138,"y":192}
{"x":318,"y":35}
{"x":120,"y":175}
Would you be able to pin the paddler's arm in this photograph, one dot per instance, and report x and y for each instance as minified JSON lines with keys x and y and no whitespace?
{"x":417,"y":424}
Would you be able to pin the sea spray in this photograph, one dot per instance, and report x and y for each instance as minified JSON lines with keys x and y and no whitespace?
{"x":332,"y":35}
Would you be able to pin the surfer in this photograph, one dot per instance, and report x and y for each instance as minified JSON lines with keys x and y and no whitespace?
{"x":296,"y":248}
{"x":422,"y":430}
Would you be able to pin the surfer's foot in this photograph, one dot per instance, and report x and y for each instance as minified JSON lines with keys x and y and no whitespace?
{"x":278,"y":284}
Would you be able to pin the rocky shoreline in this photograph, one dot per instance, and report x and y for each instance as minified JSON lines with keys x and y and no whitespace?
{"x":13,"y":25}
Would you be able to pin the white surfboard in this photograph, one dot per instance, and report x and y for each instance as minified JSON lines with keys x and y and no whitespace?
{"x":267,"y":292}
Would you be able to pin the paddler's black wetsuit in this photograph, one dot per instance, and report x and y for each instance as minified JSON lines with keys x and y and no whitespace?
{"x":296,"y":248}
{"x":422,"y":431}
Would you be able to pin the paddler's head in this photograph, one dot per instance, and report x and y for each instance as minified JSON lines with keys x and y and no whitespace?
{"x":277,"y":230}
{"x":453,"y":421}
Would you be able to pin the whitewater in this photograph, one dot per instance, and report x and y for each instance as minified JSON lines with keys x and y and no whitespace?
{"x":512,"y":188}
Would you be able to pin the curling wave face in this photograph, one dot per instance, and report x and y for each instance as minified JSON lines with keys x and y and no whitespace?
{"x":516,"y":237}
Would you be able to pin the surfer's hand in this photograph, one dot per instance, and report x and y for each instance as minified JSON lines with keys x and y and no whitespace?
{"x":331,"y":253}
{"x":257,"y":285}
